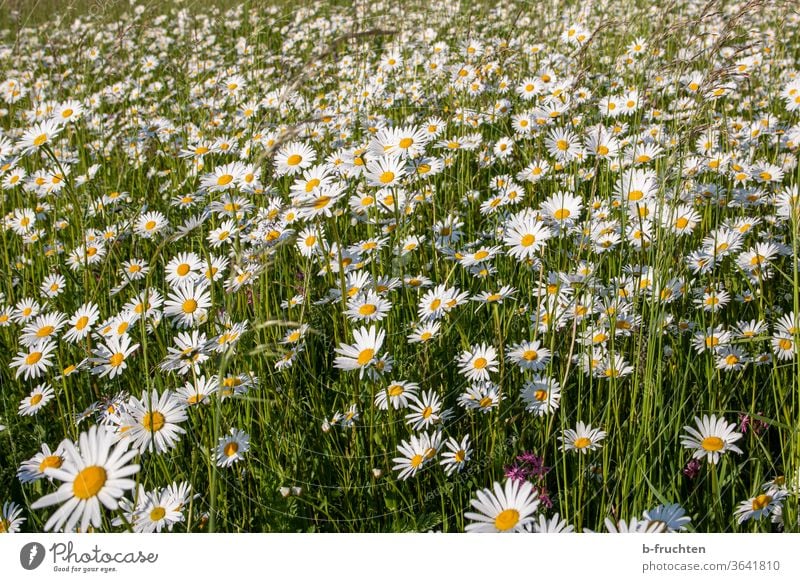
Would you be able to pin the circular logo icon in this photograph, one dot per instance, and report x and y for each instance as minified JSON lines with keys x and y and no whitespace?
{"x":31,"y":555}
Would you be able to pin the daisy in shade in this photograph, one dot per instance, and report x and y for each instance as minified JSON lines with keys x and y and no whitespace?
{"x":99,"y":473}
{"x":673,"y":516}
{"x":763,"y":504}
{"x":583,"y":439}
{"x":10,"y":520}
{"x":198,"y":391}
{"x":231,"y":447}
{"x":504,"y":509}
{"x":37,"y":399}
{"x":156,"y":421}
{"x":712,"y":438}
{"x":477,"y":362}
{"x":35,"y":361}
{"x":362,"y":353}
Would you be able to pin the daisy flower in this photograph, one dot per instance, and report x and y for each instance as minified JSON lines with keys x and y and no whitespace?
{"x":712,"y":438}
{"x":188,"y":303}
{"x":34,"y":468}
{"x":414,"y":452}
{"x":36,"y":400}
{"x":541,"y":395}
{"x":367,"y":306}
{"x":39,"y":135}
{"x":457,"y":455}
{"x":529,"y":355}
{"x":96,"y":472}
{"x":155,"y":421}
{"x":477,"y":362}
{"x":293,"y":158}
{"x":673,"y":517}
{"x":362,"y":353}
{"x":82,"y":322}
{"x":397,"y":393}
{"x":525,"y":235}
{"x":231,"y":447}
{"x":34,"y":362}
{"x":111,"y":358}
{"x":10,"y":520}
{"x":503,"y":509}
{"x":761,"y":505}
{"x":583,"y":439}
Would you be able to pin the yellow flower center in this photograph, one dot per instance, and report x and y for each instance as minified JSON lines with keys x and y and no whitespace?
{"x":712,"y":443}
{"x":89,"y":482}
{"x":367,"y":309}
{"x":33,"y":358}
{"x":224,"y":180}
{"x":40,"y":140}
{"x":386,"y":177}
{"x":761,"y":502}
{"x":189,"y":306}
{"x":562,"y":214}
{"x":153,"y":421}
{"x":528,"y":240}
{"x":50,"y":462}
{"x":365,"y":357}
{"x":480,"y":363}
{"x":294,"y":159}
{"x":506,"y":519}
{"x":116,"y":360}
{"x":157,"y":514}
{"x":582,"y":442}
{"x":231,"y":449}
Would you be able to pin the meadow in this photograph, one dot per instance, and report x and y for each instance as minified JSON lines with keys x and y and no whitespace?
{"x":400,"y":266}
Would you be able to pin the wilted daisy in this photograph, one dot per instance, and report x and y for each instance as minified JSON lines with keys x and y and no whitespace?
{"x":712,"y":438}
{"x":98,"y":474}
{"x":503,"y":509}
